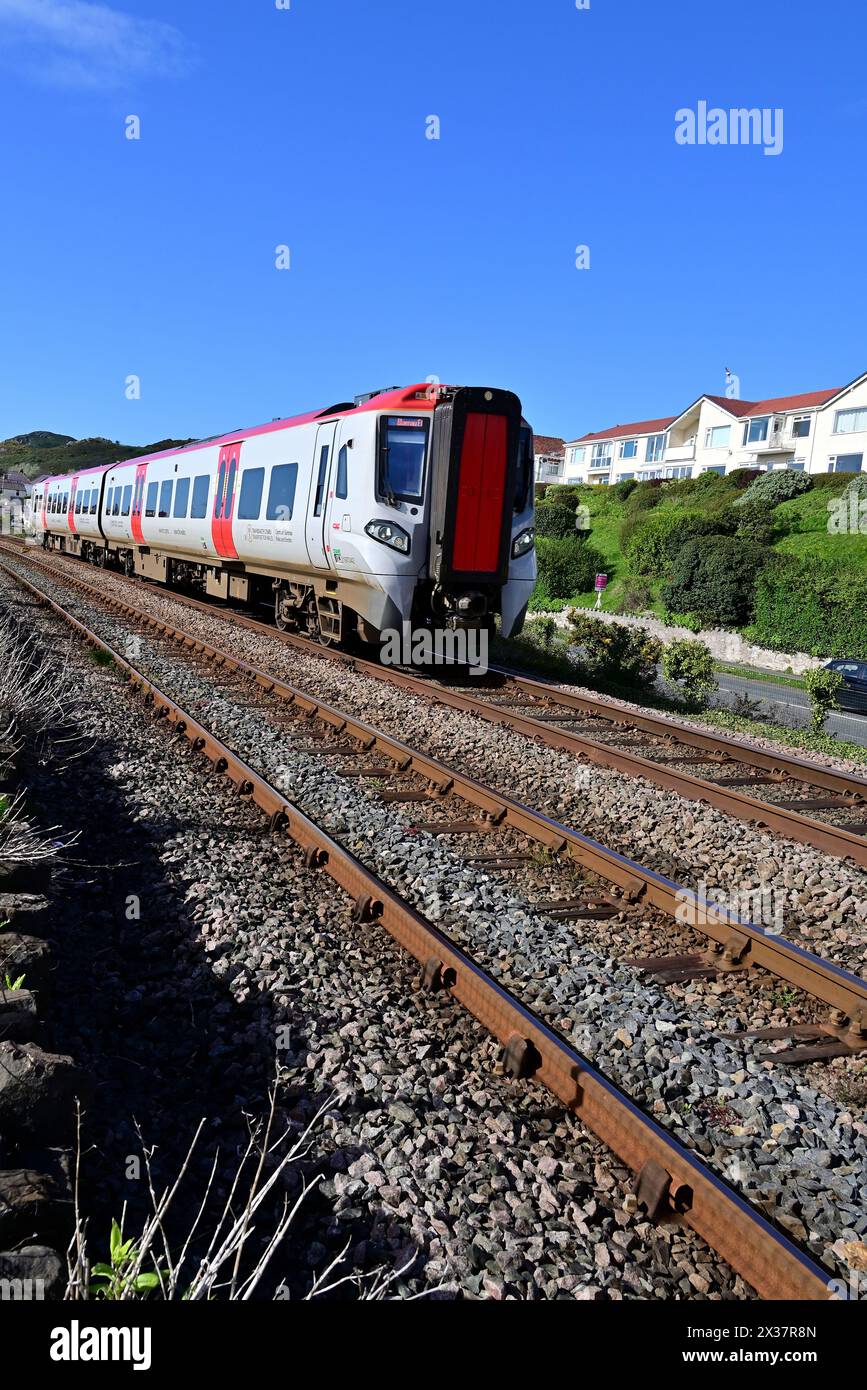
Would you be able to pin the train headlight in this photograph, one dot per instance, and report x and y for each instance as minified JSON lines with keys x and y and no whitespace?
{"x":523,"y":542}
{"x":389,"y":534}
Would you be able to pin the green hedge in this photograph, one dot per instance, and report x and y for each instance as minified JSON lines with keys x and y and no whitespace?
{"x":811,"y":605}
{"x":715,"y":578}
{"x":646,"y":550}
{"x":567,"y":567}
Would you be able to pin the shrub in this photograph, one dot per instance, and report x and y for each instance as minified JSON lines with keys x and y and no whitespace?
{"x":756,"y":524}
{"x":821,"y":686}
{"x":624,"y":489}
{"x":811,"y":605}
{"x":614,"y":651}
{"x":715,"y":578}
{"x":554,"y":520}
{"x":689,"y":665}
{"x":646,"y":550}
{"x":743,"y":477}
{"x":539,"y":490}
{"x":778,"y":485}
{"x":687,"y":620}
{"x":696,"y":524}
{"x":567,"y":566}
{"x":636,"y":597}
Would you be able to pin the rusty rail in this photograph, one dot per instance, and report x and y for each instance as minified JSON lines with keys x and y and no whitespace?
{"x":674,"y":1183}
{"x":830,"y":839}
{"x":738,"y":943}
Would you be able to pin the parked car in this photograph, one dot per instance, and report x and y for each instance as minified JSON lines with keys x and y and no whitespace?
{"x":852,"y":694}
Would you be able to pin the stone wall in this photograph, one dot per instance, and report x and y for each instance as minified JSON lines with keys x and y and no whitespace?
{"x":724,"y":645}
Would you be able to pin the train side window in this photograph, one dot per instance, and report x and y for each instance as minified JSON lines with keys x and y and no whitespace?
{"x":94,"y":501}
{"x":341,"y":489}
{"x":200,"y":497}
{"x":250,"y":500}
{"x":320,"y":480}
{"x":115,"y":510}
{"x":108,"y":501}
{"x":76,"y":504}
{"x":166,"y":498}
{"x":66,"y":503}
{"x":281,"y":492}
{"x":221,"y":481}
{"x":182,"y":497}
{"x":127,"y":498}
{"x":151,"y":503}
{"x":230,"y":489}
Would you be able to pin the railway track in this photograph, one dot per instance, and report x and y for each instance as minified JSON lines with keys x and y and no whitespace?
{"x":608,"y":734}
{"x":614,"y":881}
{"x":671,"y":1182}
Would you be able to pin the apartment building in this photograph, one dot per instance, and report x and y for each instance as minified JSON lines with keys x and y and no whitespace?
{"x":818,"y":432}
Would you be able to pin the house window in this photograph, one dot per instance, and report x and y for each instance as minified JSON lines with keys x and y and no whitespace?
{"x":796,"y":464}
{"x":655,"y":448}
{"x":577,"y":456}
{"x":848,"y":421}
{"x":801,"y":427}
{"x":603,"y":478}
{"x":624,"y":477}
{"x":717,"y":468}
{"x":718,"y":437}
{"x":756,"y":431}
{"x":629,"y":448}
{"x":602,"y":454}
{"x":847,"y":463}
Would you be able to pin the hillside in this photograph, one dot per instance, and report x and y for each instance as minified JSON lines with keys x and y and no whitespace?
{"x":41,"y":451}
{"x":781,"y":557}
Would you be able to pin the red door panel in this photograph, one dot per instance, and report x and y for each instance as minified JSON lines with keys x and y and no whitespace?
{"x":70,"y":515}
{"x":481,"y":485}
{"x":137,"y":508}
{"x":224,"y":501}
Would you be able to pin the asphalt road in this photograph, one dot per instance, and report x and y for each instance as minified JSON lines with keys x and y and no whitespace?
{"x":788,"y":704}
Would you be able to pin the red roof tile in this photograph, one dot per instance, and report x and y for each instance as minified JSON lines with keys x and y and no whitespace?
{"x":548,"y":444}
{"x":779,"y":403}
{"x":622,"y":431}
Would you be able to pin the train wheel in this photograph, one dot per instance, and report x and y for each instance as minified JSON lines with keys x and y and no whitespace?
{"x":285,"y":613}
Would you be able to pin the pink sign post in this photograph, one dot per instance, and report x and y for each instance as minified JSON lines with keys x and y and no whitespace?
{"x":601,"y":585}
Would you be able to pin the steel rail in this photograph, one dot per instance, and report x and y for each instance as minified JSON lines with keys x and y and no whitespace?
{"x":834,"y":840}
{"x":745,"y":943}
{"x":687,"y":1190}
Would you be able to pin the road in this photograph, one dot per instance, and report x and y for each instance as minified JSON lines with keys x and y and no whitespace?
{"x":788,"y":704}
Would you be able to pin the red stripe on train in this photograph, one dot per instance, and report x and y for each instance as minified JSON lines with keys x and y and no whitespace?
{"x":481,"y":487}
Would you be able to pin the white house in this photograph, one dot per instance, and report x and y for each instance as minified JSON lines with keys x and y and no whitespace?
{"x":819,"y":432}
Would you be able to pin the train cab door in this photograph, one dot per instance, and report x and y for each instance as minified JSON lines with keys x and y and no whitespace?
{"x":318,"y":543}
{"x":224,"y":501}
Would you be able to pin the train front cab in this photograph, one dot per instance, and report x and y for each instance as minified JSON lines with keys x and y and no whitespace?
{"x":482,"y":559}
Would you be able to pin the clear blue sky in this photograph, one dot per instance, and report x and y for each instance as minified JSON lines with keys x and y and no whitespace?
{"x":411,"y":256}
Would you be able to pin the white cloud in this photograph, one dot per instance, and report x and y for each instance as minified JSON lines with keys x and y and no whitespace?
{"x":83,"y":44}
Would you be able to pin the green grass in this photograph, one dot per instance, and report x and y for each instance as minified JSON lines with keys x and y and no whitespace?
{"x":750,"y":673}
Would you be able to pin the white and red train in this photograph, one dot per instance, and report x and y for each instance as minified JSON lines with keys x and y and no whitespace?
{"x":408,"y":505}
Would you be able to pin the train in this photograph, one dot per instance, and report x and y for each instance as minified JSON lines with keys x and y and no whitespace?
{"x":405,"y":505}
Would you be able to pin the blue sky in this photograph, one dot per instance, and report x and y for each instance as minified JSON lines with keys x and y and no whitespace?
{"x":413,"y":257}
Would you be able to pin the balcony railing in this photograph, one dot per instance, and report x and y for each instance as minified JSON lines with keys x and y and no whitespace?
{"x":680,"y":453}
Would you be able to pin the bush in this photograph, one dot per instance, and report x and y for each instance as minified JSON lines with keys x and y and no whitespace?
{"x":756,"y":525}
{"x":636,"y":597}
{"x":554,"y":520}
{"x":624,"y":489}
{"x":539,"y":490}
{"x":715,"y":578}
{"x":778,"y":485}
{"x":614,"y":651}
{"x":646,"y":550}
{"x":687,"y":620}
{"x":567,"y":566}
{"x":696,"y":524}
{"x":811,"y":605}
{"x":821,"y":686}
{"x":689,"y":665}
{"x":743,"y":477}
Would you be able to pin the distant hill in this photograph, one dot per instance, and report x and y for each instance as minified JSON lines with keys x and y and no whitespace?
{"x":40,"y":452}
